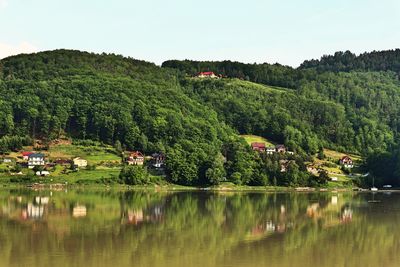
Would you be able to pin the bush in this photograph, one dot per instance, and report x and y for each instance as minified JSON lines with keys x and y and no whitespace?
{"x":134,"y":175}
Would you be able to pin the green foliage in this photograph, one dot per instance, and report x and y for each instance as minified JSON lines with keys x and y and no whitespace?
{"x":135,"y":105}
{"x":346,"y":61}
{"x":134,"y":175}
{"x":216,"y":173}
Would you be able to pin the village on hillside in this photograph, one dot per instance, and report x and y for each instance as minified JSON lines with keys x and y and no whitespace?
{"x":69,"y":160}
{"x":338,"y":166}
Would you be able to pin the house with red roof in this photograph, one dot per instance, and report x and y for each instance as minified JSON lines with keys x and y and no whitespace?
{"x":258,"y":146}
{"x":207,"y":74}
{"x":135,"y":158}
{"x":26,"y":154}
{"x":346,"y":162}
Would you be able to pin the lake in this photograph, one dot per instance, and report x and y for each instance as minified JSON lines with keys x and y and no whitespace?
{"x":111,"y":228}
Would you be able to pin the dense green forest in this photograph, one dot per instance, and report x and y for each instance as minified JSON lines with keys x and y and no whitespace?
{"x":196,"y":122}
{"x":347,"y":61}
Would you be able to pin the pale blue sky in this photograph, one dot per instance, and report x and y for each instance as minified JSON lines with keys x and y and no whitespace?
{"x":285,"y":31}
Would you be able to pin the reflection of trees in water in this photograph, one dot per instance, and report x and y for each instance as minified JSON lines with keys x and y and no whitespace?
{"x":193,"y":229}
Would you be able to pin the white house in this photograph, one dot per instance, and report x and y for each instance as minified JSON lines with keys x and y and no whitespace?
{"x":36,"y":159}
{"x":80,"y":163}
{"x":347,"y":162}
{"x":270,"y":150}
{"x":42,"y":173}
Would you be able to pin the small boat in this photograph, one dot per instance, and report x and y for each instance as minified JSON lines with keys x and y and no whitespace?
{"x":373,"y":188}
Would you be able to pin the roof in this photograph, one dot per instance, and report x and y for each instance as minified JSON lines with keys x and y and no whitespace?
{"x":207,"y":73}
{"x":155,"y":155}
{"x":346,"y":158}
{"x":280,"y":146}
{"x":36,"y":155}
{"x":25,"y":153}
{"x":78,"y":158}
{"x":258,"y":145}
{"x":136,"y":154}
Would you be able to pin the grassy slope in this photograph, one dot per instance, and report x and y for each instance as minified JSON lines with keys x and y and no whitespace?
{"x":254,"y":138}
{"x":93,"y":154}
{"x":105,"y":159}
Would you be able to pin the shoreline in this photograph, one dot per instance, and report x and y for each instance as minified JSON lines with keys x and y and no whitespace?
{"x":177,"y":188}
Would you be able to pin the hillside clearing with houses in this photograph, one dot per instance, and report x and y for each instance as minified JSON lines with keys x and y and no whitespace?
{"x":338,"y":165}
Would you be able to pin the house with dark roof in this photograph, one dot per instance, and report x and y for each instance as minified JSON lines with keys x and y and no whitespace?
{"x":280,"y":149}
{"x":158,"y":160}
{"x":35,"y":159}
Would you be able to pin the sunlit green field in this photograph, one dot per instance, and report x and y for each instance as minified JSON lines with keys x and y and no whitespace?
{"x":254,"y":138}
{"x":93,"y":154}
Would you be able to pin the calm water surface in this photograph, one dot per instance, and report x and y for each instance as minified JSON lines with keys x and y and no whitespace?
{"x":86,"y":228}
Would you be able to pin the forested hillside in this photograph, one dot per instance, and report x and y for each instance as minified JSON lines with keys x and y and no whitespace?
{"x":196,"y":122}
{"x":108,"y":98}
{"x":356,"y":111}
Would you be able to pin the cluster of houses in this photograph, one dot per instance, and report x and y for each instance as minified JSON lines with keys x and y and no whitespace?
{"x":35,"y":159}
{"x":261,"y":147}
{"x":137,"y":158}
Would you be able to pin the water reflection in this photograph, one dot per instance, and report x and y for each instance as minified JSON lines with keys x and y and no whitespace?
{"x":197,"y":229}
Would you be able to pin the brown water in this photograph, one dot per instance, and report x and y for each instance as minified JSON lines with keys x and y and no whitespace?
{"x":79,"y":228}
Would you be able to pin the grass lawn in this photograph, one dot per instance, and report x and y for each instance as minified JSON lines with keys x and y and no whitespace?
{"x":338,"y":155}
{"x":254,"y":138}
{"x":86,"y":175}
{"x":93,"y":154}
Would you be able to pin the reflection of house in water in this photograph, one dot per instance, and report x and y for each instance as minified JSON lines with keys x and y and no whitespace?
{"x":263,"y":230}
{"x":42,"y":200}
{"x":79,"y":211}
{"x":135,"y":216}
{"x":313,"y":211}
{"x":347,"y":215}
{"x":33,"y":211}
{"x":334,"y":200}
{"x":138,"y":216}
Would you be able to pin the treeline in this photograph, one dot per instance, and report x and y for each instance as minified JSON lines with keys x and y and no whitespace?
{"x":277,"y":75}
{"x":346,"y":61}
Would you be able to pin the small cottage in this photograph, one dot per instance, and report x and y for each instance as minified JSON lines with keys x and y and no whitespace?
{"x":207,"y":74}
{"x":158,"y":160}
{"x":7,"y":160}
{"x":42,"y":173}
{"x":257,"y":146}
{"x":270,"y":150}
{"x":80,"y":163}
{"x":346,"y":162}
{"x":35,"y":159}
{"x":135,"y":158}
{"x":280,"y":149}
{"x":25,"y":155}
